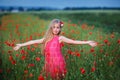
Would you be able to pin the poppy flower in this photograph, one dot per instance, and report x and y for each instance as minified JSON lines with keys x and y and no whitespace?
{"x":78,"y":55}
{"x":30,"y":75}
{"x":10,"y":58}
{"x":90,"y":33}
{"x":40,"y":77}
{"x":82,"y":70}
{"x":37,"y":59}
{"x":31,"y":37}
{"x":28,"y":47}
{"x":118,"y":41}
{"x":13,"y":62}
{"x":106,"y":41}
{"x":33,"y":49}
{"x":22,"y":51}
{"x":31,"y":65}
{"x":25,"y":71}
{"x":92,"y":50}
{"x":93,"y":69}
{"x":23,"y":57}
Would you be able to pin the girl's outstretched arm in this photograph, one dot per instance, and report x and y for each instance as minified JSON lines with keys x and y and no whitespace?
{"x":70,"y":41}
{"x":28,"y":43}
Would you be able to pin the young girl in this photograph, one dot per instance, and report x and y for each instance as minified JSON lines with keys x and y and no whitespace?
{"x":55,"y":65}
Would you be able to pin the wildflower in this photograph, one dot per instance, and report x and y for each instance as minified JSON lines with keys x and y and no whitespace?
{"x":31,"y":75}
{"x":92,"y":50}
{"x":10,"y":58}
{"x":118,"y":41}
{"x":82,"y":70}
{"x":78,"y":55}
{"x":25,"y":71}
{"x":37,"y":59}
{"x":31,"y":65}
{"x":13,"y":62}
{"x":90,"y":33}
{"x":31,"y":37}
{"x":23,"y":57}
{"x":93,"y":69}
{"x":22,"y":51}
{"x":106,"y":41}
{"x":40,"y":77}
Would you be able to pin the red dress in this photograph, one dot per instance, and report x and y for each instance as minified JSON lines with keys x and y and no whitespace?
{"x":54,"y":62}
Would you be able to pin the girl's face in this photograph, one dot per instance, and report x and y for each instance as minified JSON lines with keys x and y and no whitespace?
{"x":56,"y":29}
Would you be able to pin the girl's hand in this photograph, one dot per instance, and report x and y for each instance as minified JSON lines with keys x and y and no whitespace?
{"x":92,"y":43}
{"x":17,"y":47}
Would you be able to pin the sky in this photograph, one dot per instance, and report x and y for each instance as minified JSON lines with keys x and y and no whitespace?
{"x":61,"y":3}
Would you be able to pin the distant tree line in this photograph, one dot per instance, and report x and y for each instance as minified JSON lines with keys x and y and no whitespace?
{"x":92,"y":8}
{"x":49,"y":8}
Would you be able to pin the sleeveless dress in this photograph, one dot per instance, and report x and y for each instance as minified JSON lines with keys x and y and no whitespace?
{"x":55,"y":65}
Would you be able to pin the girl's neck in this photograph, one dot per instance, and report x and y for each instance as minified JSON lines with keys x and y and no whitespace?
{"x":55,"y":35}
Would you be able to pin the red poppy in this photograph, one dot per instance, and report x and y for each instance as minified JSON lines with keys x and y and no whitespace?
{"x":93,"y":69}
{"x":31,"y":65}
{"x":82,"y":70}
{"x":78,"y":55}
{"x":13,"y":62}
{"x":28,"y":47}
{"x":7,"y":43}
{"x":37,"y":59}
{"x":40,"y":77}
{"x":69,"y":51}
{"x":84,"y":26}
{"x":17,"y":55}
{"x":92,"y":50}
{"x":25,"y":71}
{"x":31,"y":37}
{"x":12,"y":44}
{"x":23,"y":57}
{"x":10,"y":58}
{"x":33,"y":49}
{"x":106,"y":41}
{"x":90,"y":33}
{"x":118,"y":41}
{"x":22,"y":51}
{"x":30,"y":75}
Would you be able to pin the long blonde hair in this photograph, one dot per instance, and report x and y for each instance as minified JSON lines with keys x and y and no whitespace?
{"x":49,"y":34}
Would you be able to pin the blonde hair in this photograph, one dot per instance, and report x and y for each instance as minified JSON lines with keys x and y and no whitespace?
{"x":49,"y":34}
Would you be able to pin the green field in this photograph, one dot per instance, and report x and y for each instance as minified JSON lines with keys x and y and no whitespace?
{"x":83,"y":62}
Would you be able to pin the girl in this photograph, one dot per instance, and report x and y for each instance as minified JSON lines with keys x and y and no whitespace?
{"x":55,"y":65}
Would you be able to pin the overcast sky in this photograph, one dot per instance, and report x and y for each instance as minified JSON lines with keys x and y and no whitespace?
{"x":61,"y":3}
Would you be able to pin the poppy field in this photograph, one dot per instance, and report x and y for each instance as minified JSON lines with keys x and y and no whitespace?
{"x":83,"y":62}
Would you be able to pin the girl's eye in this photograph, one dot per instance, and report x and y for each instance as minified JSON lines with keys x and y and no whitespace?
{"x":58,"y":27}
